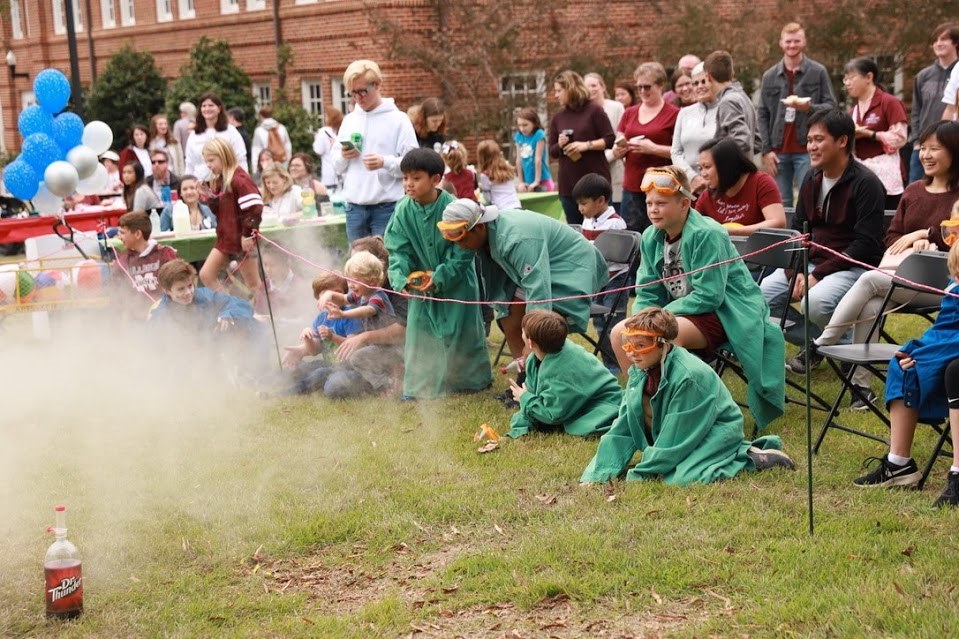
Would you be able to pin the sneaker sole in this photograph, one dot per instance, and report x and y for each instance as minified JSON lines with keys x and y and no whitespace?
{"x":901,"y":481}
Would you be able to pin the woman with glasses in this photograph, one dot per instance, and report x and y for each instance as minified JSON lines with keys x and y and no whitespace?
{"x":614,"y":111}
{"x":881,"y":126}
{"x":682,"y":84}
{"x":695,"y":125}
{"x":644,"y":138}
{"x":713,"y":306}
{"x":579,"y":135}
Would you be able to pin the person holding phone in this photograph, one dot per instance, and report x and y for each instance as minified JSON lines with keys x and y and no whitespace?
{"x":373,"y":139}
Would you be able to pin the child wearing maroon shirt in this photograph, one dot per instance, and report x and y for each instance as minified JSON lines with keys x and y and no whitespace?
{"x":143,"y":257}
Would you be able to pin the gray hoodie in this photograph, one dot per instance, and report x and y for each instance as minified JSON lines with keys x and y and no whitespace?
{"x":736,"y":118}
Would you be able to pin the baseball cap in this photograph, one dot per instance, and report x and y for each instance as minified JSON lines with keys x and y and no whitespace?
{"x":110,"y":155}
{"x":465,"y":214}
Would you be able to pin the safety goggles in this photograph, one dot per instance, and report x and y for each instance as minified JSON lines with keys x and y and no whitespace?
{"x":664,"y":183}
{"x":453,"y":231}
{"x":633,"y":349}
{"x":949,"y":229}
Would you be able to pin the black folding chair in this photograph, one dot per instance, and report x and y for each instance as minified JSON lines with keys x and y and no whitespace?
{"x":887,"y":216}
{"x":925,"y":268}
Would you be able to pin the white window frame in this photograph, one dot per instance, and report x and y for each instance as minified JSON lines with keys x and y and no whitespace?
{"x":187,"y":9}
{"x":27,"y":98}
{"x":108,"y":14}
{"x":255,"y":5}
{"x":128,"y":16}
{"x":311,"y":93}
{"x":60,"y":17}
{"x":229,"y":6}
{"x":527,"y":84}
{"x":262,"y":94}
{"x":297,"y":2}
{"x":16,"y":20}
{"x":341,"y":100}
{"x":164,"y":10}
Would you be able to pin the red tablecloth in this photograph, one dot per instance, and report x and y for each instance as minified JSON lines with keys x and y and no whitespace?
{"x":18,"y":230}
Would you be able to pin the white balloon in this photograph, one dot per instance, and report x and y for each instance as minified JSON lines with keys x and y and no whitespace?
{"x":98,"y":136}
{"x":96,"y":183}
{"x":61,"y":178}
{"x":46,"y":202}
{"x":84,"y":159}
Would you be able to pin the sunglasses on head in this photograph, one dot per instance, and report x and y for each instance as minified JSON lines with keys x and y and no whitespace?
{"x":362,"y":93}
{"x":664,"y":183}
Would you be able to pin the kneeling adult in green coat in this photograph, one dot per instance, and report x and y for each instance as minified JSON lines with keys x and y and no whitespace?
{"x":565,"y":386}
{"x":679,"y":413}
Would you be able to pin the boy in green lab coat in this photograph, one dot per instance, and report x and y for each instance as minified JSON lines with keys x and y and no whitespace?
{"x":565,"y":386}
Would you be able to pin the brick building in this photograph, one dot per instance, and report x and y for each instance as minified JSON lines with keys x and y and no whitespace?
{"x":481,"y":57}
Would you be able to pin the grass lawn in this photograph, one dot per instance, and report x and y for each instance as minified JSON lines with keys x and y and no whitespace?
{"x":201,"y":511}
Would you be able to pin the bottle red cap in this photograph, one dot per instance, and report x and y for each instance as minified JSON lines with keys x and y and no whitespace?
{"x":60,"y":509}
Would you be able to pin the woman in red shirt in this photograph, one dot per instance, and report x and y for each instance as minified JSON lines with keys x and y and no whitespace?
{"x":738,"y":196}
{"x":881,"y":127}
{"x":644,"y":138}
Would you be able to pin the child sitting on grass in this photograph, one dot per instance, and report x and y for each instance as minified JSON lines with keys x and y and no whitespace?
{"x":565,"y":386}
{"x":678,"y":412}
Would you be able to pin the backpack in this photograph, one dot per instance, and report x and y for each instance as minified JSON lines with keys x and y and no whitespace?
{"x":275,"y":144}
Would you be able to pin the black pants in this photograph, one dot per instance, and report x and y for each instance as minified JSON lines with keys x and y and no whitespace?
{"x":952,"y":383}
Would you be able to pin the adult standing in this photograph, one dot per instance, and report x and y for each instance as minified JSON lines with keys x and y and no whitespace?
{"x":625,"y":93}
{"x":880,"y":126}
{"x":183,"y":126}
{"x":323,"y":143}
{"x":161,"y":137}
{"x":614,"y":111}
{"x":681,"y":84}
{"x":138,"y":149}
{"x":644,"y":139}
{"x":236,"y":117}
{"x":695,"y":125}
{"x":687,"y":62}
{"x":735,"y":114}
{"x":429,"y":122}
{"x":211,"y":124}
{"x":270,"y":127}
{"x":372,"y":180}
{"x":579,"y":133}
{"x":791,"y":88}
{"x":930,"y":84}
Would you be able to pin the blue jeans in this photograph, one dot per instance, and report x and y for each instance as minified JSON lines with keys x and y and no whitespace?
{"x":363,"y":220}
{"x":634,"y":210}
{"x":823,"y":298}
{"x":915,"y":167}
{"x":792,"y":169}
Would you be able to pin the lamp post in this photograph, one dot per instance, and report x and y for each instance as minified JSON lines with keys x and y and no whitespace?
{"x":12,"y":65}
{"x":77,"y":92}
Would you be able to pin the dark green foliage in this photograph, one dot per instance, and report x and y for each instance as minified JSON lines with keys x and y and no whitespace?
{"x":299,"y":122}
{"x":129,"y":90}
{"x":211,"y":68}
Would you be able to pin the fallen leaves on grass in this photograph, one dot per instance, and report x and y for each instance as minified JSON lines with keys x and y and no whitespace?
{"x":498,"y":529}
{"x":487,"y":448}
{"x":546,"y":499}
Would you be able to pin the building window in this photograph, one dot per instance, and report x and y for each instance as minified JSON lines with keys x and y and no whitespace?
{"x":164,"y":10}
{"x":16,"y":20}
{"x":60,"y":17}
{"x":341,"y":100}
{"x":229,"y":6}
{"x":187,"y":9}
{"x":27,"y":99}
{"x":108,"y":14}
{"x":521,"y":89}
{"x":255,"y":5}
{"x":312,"y":92}
{"x":304,"y":1}
{"x":128,"y":16}
{"x":262,"y":94}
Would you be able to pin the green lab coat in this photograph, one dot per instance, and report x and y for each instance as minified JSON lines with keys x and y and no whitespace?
{"x":569,"y":388}
{"x":730,"y":292}
{"x":445,"y":348}
{"x":545,"y":258}
{"x":696,"y":427}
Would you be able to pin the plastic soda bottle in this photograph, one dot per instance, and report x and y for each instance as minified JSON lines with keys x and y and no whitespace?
{"x":357,"y":140}
{"x":309,"y":203}
{"x":61,"y":567}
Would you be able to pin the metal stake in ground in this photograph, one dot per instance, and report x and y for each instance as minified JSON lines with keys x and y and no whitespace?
{"x":805,"y":273}
{"x":266,"y":291}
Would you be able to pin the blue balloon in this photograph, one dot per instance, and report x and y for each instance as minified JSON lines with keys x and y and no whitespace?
{"x":40,"y":151}
{"x":67,"y":130}
{"x":21,"y":179}
{"x":52,"y":90}
{"x":34,"y":119}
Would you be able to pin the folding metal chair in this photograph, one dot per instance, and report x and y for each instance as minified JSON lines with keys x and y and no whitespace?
{"x":925,"y":268}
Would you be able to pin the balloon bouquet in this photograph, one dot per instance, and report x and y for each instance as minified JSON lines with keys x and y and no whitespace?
{"x":59,"y":155}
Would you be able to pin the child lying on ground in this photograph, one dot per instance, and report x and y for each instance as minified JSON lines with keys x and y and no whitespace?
{"x":565,"y":386}
{"x":679,"y":413}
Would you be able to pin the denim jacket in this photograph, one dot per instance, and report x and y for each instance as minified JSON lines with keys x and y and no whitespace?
{"x":812,"y":81}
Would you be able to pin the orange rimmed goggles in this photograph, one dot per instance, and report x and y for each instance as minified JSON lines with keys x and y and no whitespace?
{"x":949,"y":229}
{"x":453,"y":231}
{"x":632,"y":349}
{"x":664,"y":183}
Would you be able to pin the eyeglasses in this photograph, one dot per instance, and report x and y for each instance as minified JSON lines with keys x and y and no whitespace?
{"x":664,"y":183}
{"x":643,"y":87}
{"x":362,"y":93}
{"x":684,"y":87}
{"x":699,"y":83}
{"x":157,"y":161}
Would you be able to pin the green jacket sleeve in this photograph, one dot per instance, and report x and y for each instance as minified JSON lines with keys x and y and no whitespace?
{"x":709,"y":285}
{"x":450,"y":271}
{"x":402,"y":255}
{"x":617,"y":446}
{"x":518,"y":426}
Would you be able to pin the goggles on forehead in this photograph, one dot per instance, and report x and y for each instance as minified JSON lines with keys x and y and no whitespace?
{"x":664,"y":183}
{"x":949,"y":229}
{"x":632,"y":349}
{"x":453,"y":231}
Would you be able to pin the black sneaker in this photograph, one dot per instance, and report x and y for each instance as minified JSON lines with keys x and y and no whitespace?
{"x":858,"y":403}
{"x":889,"y":475}
{"x":764,"y":459}
{"x":950,"y":494}
{"x":798,"y":363}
